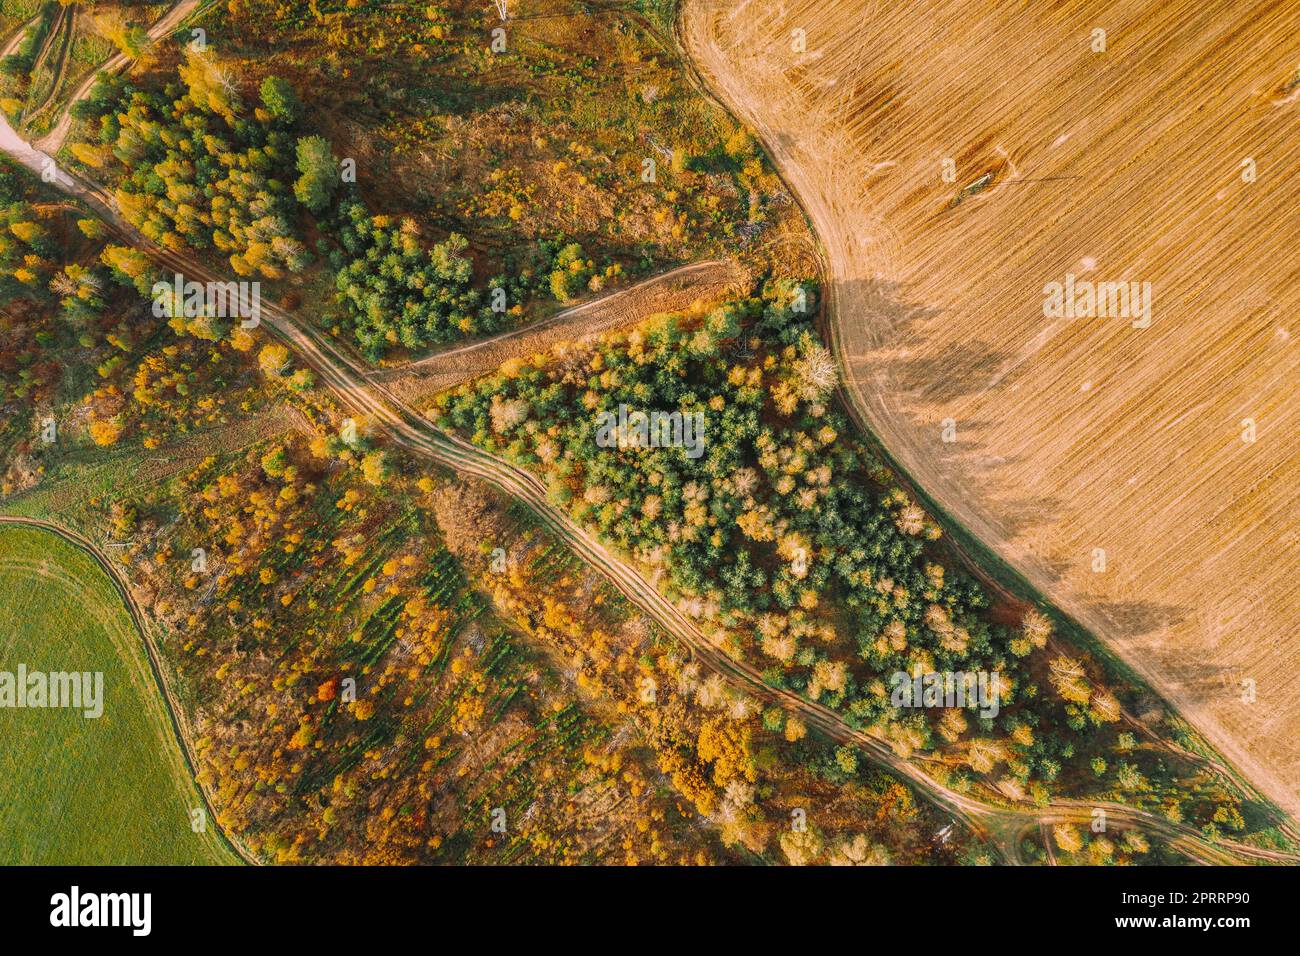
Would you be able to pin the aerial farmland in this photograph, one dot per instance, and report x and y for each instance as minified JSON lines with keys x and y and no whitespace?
{"x":957,"y":159}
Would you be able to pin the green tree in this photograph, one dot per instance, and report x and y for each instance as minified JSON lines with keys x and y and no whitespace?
{"x":281,"y":99}
{"x":320,"y":173}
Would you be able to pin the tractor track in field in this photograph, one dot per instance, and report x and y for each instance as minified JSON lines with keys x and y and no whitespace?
{"x":410,"y":430}
{"x":358,"y":390}
{"x":909,"y":282}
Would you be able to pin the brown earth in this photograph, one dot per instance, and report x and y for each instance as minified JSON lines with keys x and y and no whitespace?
{"x":1077,"y":434}
{"x":673,"y":291}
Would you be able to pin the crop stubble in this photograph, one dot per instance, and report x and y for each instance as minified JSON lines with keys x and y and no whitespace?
{"x":1072,"y":434}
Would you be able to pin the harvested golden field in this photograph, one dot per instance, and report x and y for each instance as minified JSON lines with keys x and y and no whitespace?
{"x":1112,"y":465}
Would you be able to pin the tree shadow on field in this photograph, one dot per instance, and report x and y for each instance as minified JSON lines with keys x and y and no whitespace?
{"x":1056,"y":568}
{"x":877,"y":323}
{"x":1130,"y":619}
{"x":881,"y":309}
{"x":1019,"y":515}
{"x":941,"y":379}
{"x":897,"y":325}
{"x":1206,"y":680}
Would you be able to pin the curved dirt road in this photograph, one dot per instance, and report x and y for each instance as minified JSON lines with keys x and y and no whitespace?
{"x":670,"y":291}
{"x":1075,"y":441}
{"x":16,"y":38}
{"x":61,"y":35}
{"x":52,"y":141}
{"x":180,"y":726}
{"x":410,"y":430}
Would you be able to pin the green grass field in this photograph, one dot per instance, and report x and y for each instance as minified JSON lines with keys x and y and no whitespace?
{"x":114,"y":790}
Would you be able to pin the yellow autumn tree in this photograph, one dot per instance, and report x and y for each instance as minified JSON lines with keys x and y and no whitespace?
{"x":1067,"y":837}
{"x":28,"y":232}
{"x":273,"y":359}
{"x":106,"y":431}
{"x":725,"y":745}
{"x":93,"y":156}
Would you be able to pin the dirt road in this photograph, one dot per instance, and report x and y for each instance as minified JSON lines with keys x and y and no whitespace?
{"x":383,"y":412}
{"x":1145,"y":479}
{"x":52,"y":141}
{"x":180,"y":725}
{"x":670,"y":291}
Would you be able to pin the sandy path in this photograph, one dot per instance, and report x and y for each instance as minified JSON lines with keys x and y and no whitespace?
{"x":11,"y":45}
{"x":387,"y":413}
{"x":175,"y":715}
{"x":52,"y":141}
{"x":672,"y":291}
{"x":1072,"y":435}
